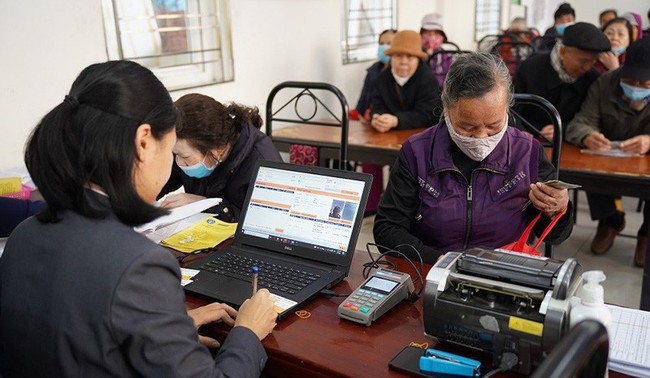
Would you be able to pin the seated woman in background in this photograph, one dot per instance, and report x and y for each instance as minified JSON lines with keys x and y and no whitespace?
{"x":81,"y":293}
{"x":215,"y":153}
{"x":362,"y":111}
{"x":619,"y":33}
{"x":467,"y":182}
{"x":433,"y":36}
{"x":407,"y":95}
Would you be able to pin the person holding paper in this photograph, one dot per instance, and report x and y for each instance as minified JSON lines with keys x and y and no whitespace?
{"x":616,"y":110}
{"x":215,"y":153}
{"x":472,"y":180}
{"x":81,"y":293}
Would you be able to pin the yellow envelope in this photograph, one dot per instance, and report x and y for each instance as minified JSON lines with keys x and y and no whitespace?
{"x":206,"y":233}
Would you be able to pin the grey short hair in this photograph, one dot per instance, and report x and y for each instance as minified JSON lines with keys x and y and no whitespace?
{"x":473,"y":75}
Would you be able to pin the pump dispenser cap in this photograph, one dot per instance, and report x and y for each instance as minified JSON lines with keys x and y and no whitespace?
{"x":592,"y":291}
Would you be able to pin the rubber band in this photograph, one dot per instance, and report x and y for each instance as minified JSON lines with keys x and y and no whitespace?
{"x":421,"y":346}
{"x":302,"y":314}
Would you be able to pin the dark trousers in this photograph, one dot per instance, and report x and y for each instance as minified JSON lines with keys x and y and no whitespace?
{"x":602,"y":206}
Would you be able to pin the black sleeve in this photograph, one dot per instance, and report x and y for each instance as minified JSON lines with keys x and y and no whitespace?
{"x":175,"y":181}
{"x":364,"y":99}
{"x":397,"y":210}
{"x":377,"y":103}
{"x":562,"y":229}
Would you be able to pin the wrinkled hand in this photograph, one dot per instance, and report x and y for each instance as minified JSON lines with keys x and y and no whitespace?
{"x":639,"y":144}
{"x":597,"y":141}
{"x":609,"y":60}
{"x":214,"y":312}
{"x":547,"y":131}
{"x":384,"y":122}
{"x":547,"y":199}
{"x":180,"y":199}
{"x":257,"y":314}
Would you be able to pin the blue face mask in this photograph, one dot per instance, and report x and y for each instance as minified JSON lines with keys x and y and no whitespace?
{"x":198,"y":170}
{"x":619,"y":50}
{"x":635,"y":93}
{"x":562,"y":27}
{"x":380,"y":54}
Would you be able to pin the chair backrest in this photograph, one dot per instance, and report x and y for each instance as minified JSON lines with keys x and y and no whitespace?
{"x":486,"y":44}
{"x":450,"y":46}
{"x":523,"y":100}
{"x":543,"y":43}
{"x":582,"y":352}
{"x":513,"y":53}
{"x":311,"y":90}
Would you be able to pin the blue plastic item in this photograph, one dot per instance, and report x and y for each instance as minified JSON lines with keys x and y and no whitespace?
{"x":437,"y":361}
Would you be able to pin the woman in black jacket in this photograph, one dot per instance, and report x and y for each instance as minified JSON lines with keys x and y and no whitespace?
{"x":215,"y":153}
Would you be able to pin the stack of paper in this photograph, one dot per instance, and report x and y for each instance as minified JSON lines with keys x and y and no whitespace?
{"x":629,"y":341}
{"x":178,"y":213}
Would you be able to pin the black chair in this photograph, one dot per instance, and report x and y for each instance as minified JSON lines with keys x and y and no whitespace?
{"x":450,"y":46}
{"x":513,"y":53}
{"x":582,"y":352}
{"x":543,"y":44}
{"x":310,"y":90}
{"x":523,"y":100}
{"x":486,"y":44}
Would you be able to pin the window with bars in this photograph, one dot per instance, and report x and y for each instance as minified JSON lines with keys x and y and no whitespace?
{"x":186,"y":43}
{"x":363,"y":21}
{"x":488,"y":18}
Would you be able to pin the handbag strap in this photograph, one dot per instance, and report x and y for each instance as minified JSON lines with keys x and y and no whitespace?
{"x":521,"y":242}
{"x":549,"y":227}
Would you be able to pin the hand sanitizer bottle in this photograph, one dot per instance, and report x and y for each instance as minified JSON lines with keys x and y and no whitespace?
{"x":592,"y":300}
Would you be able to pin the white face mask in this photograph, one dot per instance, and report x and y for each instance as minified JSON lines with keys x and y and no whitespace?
{"x":400,"y":80}
{"x":476,"y":149}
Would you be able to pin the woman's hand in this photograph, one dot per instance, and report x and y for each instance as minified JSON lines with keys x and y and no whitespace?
{"x":384,"y":122}
{"x":547,"y":199}
{"x":214,"y":312}
{"x":257,"y":314}
{"x":180,"y":199}
{"x":609,"y":60}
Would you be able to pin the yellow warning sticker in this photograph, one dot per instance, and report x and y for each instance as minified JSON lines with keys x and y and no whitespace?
{"x":526,"y":326}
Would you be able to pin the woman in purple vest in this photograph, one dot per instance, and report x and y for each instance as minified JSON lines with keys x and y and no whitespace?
{"x":470,"y":181}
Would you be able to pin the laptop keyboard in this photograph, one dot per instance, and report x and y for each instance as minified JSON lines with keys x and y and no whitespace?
{"x":271,"y":276}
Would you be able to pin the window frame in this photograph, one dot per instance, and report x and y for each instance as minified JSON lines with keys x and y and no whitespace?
{"x":488,"y":14}
{"x":347,"y":48}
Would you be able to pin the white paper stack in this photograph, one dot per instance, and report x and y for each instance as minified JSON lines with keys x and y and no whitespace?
{"x":629,"y":341}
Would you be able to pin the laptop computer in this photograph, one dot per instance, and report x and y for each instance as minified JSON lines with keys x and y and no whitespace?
{"x":299,"y":225}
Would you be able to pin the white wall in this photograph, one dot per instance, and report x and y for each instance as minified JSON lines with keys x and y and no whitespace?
{"x":46,"y":44}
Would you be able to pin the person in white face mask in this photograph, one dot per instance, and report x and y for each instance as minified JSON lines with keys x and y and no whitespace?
{"x":215,"y":154}
{"x":616,"y":110}
{"x":466,"y":182}
{"x":407,"y":96}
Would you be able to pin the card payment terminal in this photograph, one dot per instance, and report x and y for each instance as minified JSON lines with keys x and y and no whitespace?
{"x":378,"y":294}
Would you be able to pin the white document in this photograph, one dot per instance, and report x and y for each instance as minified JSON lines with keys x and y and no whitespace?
{"x":612,"y":152}
{"x":629,"y":341}
{"x":178,"y":214}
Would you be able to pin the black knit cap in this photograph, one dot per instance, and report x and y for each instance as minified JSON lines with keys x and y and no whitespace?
{"x":587,"y":37}
{"x":637,"y":60}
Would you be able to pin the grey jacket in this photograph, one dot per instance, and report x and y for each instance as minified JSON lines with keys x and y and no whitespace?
{"x":605,"y":111}
{"x":92,"y":298}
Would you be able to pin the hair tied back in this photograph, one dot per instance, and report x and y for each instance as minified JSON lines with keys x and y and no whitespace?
{"x":72,"y":101}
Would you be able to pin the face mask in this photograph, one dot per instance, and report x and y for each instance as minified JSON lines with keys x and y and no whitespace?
{"x":198,"y":170}
{"x":635,"y":93}
{"x":619,"y":50}
{"x":380,"y":54}
{"x":476,"y":149}
{"x":561,"y":27}
{"x":433,"y":42}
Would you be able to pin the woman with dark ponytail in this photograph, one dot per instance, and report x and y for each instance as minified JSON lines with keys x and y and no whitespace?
{"x":215,"y":153}
{"x":81,"y":293}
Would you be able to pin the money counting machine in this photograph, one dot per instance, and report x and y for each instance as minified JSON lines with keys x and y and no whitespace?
{"x":497,"y":302}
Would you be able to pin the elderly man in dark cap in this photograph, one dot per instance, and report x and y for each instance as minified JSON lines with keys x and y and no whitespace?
{"x":616,"y":115}
{"x":562,"y":76}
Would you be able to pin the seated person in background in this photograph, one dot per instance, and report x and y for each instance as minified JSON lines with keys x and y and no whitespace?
{"x":433,"y":37}
{"x":619,"y":33}
{"x":563,"y":17}
{"x":81,"y":293}
{"x":407,"y":95}
{"x":605,"y":16}
{"x":616,"y":109}
{"x":362,"y":111}
{"x":467,"y":181}
{"x":215,"y":153}
{"x":562,"y":76}
{"x":15,"y":211}
{"x":512,"y":53}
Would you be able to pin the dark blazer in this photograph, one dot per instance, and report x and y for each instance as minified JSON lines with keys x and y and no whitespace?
{"x":536,"y":76}
{"x":416,"y":104}
{"x":92,"y":298}
{"x":230,"y":179}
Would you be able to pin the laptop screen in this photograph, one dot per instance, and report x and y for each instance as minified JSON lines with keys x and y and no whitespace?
{"x":305,"y":210}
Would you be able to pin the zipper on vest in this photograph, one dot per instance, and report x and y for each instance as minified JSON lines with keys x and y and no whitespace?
{"x":469,"y":205}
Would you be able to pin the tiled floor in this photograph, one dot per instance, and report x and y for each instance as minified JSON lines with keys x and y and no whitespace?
{"x":623,"y":285}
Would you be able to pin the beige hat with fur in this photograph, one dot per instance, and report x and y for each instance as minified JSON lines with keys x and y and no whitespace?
{"x":406,"y":42}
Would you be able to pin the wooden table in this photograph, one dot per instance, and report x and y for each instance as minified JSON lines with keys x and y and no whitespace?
{"x":628,"y":176}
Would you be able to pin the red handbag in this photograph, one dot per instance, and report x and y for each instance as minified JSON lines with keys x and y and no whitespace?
{"x":522,"y":246}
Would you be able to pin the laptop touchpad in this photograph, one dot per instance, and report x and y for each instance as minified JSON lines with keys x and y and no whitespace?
{"x":227,"y":289}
